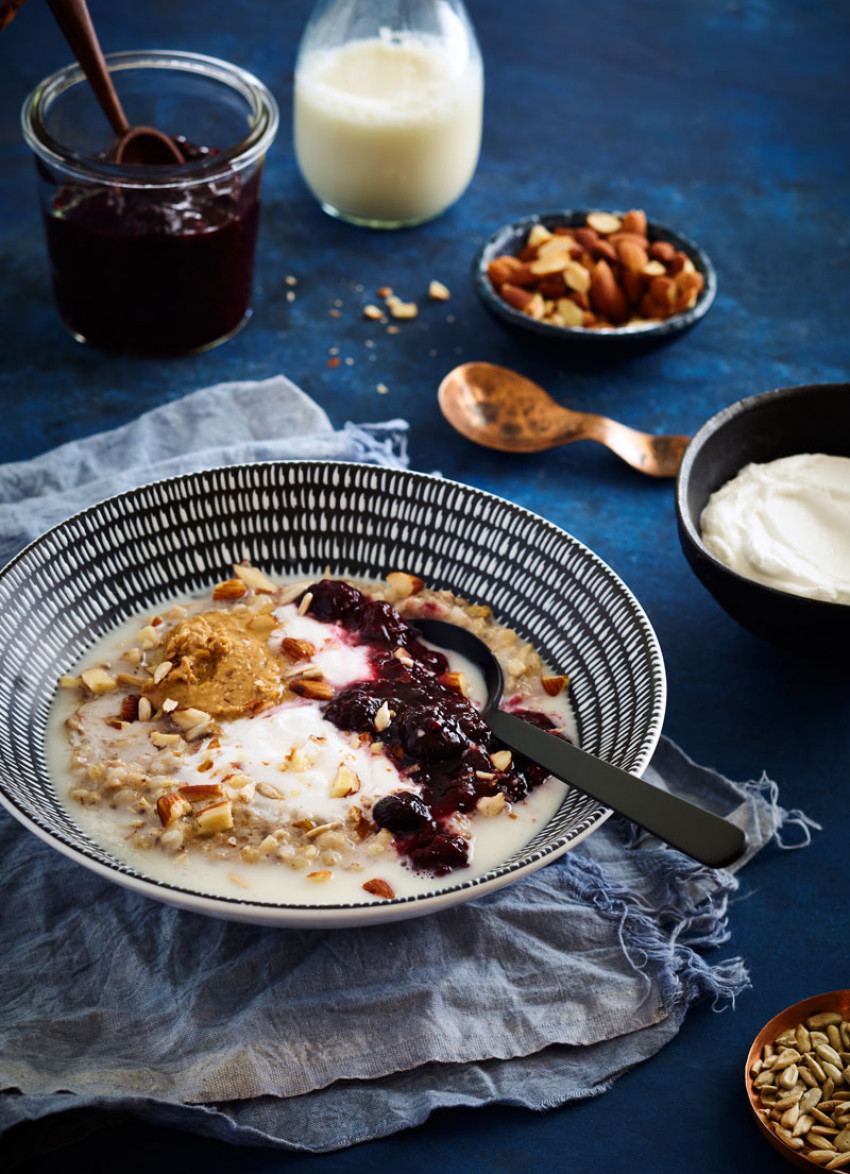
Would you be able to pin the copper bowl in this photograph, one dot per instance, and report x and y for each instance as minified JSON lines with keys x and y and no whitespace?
{"x":789,"y":1018}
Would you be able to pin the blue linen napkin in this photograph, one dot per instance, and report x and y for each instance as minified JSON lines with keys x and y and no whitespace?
{"x":537,"y":994}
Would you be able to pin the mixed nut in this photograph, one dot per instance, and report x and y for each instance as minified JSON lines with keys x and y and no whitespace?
{"x":802,"y":1080}
{"x":602,"y":274}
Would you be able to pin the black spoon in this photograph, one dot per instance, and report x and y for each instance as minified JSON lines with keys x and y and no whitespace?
{"x":694,"y":831}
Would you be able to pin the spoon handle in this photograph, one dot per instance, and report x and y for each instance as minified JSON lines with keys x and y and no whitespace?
{"x":699,"y":833}
{"x":74,"y":20}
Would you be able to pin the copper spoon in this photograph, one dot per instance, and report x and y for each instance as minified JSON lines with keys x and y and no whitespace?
{"x":142,"y":145}
{"x":501,"y":409}
{"x":701,"y":834}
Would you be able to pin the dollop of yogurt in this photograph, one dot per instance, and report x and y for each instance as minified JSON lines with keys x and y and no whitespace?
{"x":786,"y":524}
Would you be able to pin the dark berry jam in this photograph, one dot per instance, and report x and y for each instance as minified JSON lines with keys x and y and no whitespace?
{"x":158,"y":272}
{"x":436,"y":735}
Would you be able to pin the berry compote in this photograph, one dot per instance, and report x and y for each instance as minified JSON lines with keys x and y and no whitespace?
{"x":436,"y":735}
{"x":157,"y":271}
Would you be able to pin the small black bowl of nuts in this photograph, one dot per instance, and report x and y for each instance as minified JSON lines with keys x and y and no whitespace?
{"x":594,"y":277}
{"x":798,"y":1082}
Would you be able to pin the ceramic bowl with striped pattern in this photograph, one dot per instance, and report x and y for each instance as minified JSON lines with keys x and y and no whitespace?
{"x":158,"y":542}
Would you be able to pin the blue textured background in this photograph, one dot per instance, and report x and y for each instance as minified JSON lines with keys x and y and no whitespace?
{"x":729,"y":121}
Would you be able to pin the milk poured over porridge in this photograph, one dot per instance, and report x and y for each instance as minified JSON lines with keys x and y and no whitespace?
{"x":388,"y":128}
{"x":300,"y":744}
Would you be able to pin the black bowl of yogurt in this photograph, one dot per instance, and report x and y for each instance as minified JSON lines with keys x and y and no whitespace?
{"x":763,"y":511}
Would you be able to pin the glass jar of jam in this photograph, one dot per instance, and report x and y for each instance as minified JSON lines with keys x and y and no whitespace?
{"x":153,"y":260}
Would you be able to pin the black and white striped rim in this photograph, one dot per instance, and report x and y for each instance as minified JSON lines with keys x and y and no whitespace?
{"x":138,"y":549}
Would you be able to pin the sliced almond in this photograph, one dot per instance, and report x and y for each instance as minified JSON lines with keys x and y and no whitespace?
{"x":577,"y":277}
{"x":320,"y":877}
{"x":555,"y":262}
{"x":383,"y":717}
{"x":604,"y":223}
{"x":269,"y":792}
{"x":571,"y":314}
{"x":254,"y":578}
{"x":538,"y":236}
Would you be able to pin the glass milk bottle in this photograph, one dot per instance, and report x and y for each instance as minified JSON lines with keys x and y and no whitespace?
{"x":388,"y":107}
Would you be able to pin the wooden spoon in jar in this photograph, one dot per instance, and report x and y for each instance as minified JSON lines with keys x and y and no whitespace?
{"x":142,"y":145}
{"x":501,"y":409}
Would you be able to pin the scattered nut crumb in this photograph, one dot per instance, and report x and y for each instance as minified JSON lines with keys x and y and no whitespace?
{"x":438,"y":292}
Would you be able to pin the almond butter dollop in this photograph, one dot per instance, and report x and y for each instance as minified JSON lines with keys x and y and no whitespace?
{"x":220,"y":666}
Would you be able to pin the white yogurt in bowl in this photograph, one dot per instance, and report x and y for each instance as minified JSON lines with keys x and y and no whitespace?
{"x":786,"y":524}
{"x":388,"y":128}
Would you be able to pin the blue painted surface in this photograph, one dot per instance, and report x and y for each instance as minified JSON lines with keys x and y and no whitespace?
{"x":726,"y":120}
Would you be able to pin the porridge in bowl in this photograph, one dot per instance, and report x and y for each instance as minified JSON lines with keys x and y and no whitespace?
{"x":298,"y":742}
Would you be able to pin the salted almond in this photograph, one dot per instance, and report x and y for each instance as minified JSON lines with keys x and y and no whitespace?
{"x":634,"y":285}
{"x":663,"y":291}
{"x":515,"y":296}
{"x":662,"y":251}
{"x":229,"y":589}
{"x":502,"y":269}
{"x":295,"y":649}
{"x":314,"y":690}
{"x":632,"y":255}
{"x":379,"y":888}
{"x":606,"y":296}
{"x":654,"y":268}
{"x":254,"y":578}
{"x":171,"y":807}
{"x":555,"y":685}
{"x":635,"y":221}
